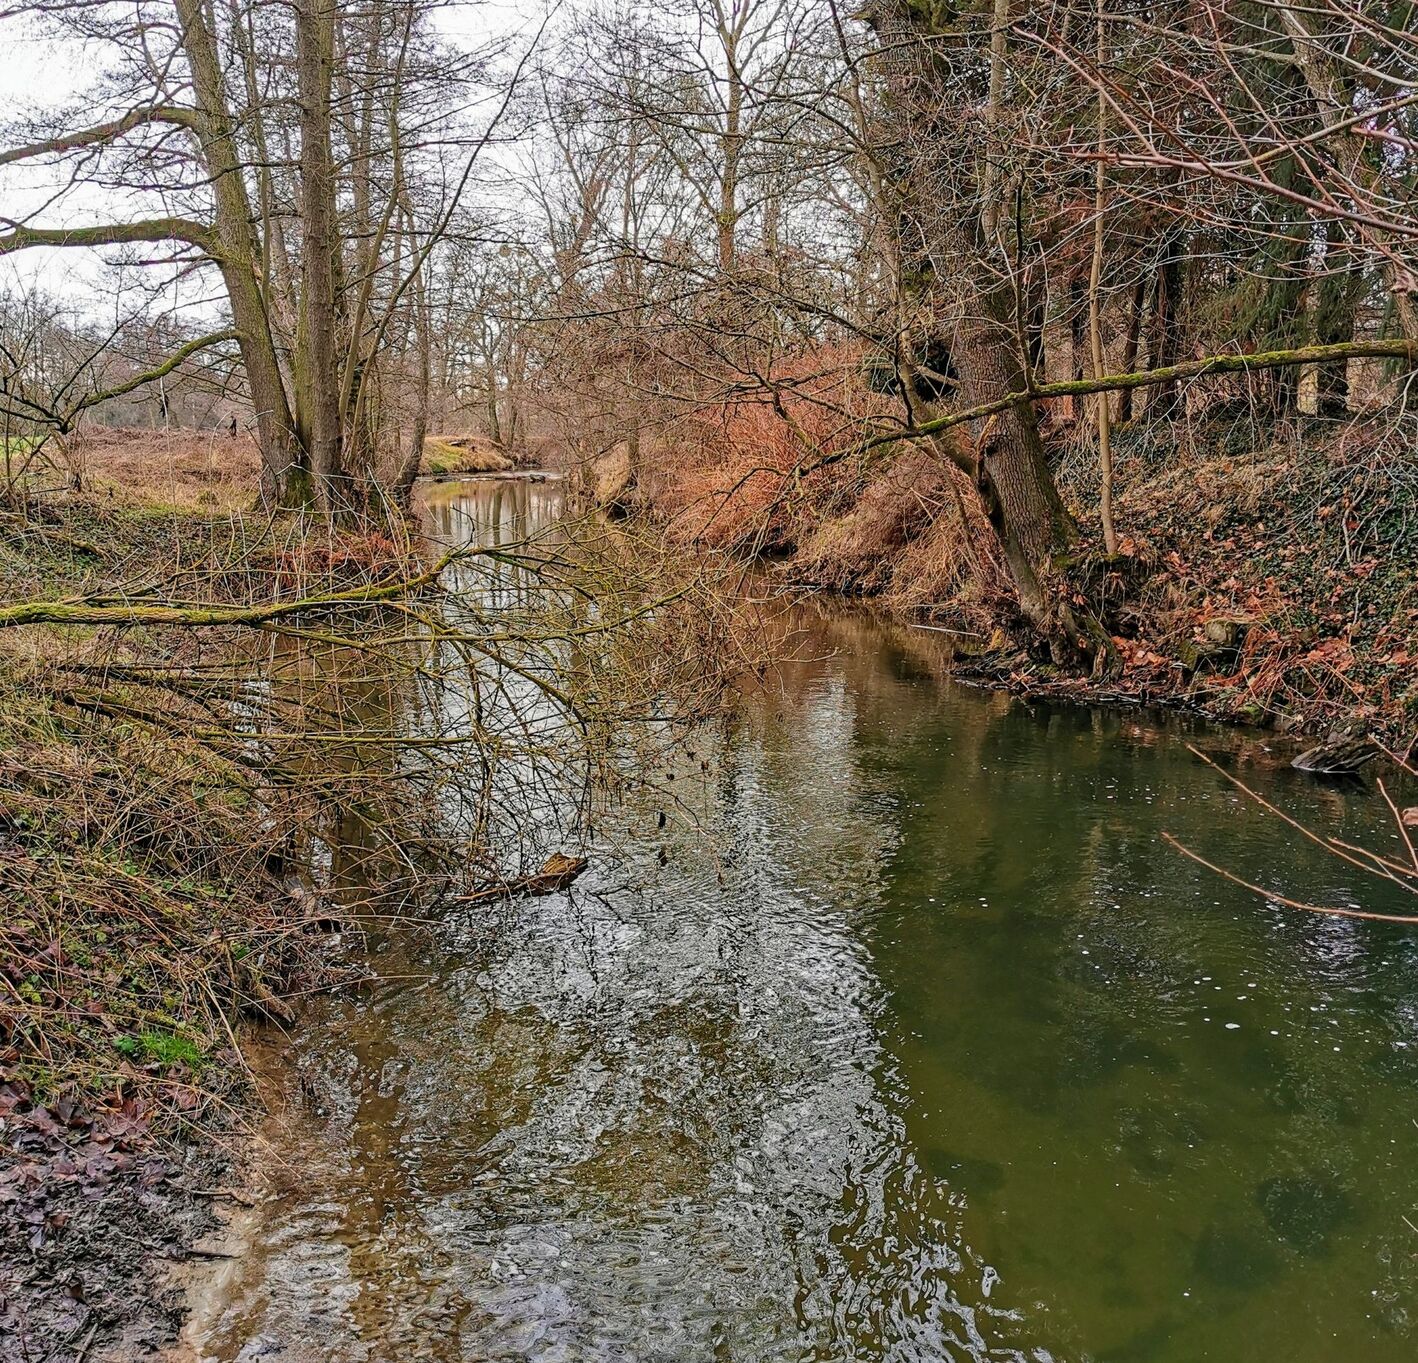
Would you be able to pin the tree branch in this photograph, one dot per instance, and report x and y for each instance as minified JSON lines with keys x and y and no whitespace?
{"x":1110,"y":383}
{"x":102,"y":132}
{"x":200,"y":617}
{"x":152,"y":375}
{"x":111,"y":234}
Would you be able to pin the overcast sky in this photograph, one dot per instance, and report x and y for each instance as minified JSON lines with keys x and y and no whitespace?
{"x":39,"y":74}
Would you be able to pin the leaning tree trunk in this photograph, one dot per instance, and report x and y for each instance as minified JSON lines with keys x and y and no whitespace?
{"x":955,"y":270}
{"x":1020,"y":497}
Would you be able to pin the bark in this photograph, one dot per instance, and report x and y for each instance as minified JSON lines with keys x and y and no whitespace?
{"x":1132,"y":345}
{"x":1095,"y":330}
{"x":402,"y":491}
{"x":731,"y":146}
{"x":99,"y":134}
{"x":1019,"y":494}
{"x":112,"y":234}
{"x":271,"y":617}
{"x":1164,"y":340}
{"x":318,"y":383}
{"x":238,"y":256}
{"x":973,"y":302}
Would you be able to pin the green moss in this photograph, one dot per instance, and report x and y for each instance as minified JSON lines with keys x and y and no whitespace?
{"x":171,"y":1048}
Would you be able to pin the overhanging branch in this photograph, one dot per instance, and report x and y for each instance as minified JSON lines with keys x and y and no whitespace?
{"x":268,"y":617}
{"x":111,"y":234}
{"x":1109,"y":383}
{"x":158,"y":371}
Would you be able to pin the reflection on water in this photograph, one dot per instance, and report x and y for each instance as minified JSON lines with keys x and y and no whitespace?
{"x":920,"y":1046}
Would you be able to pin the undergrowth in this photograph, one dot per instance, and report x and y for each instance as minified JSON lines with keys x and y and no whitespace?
{"x":1266,"y":571}
{"x":149,"y":904}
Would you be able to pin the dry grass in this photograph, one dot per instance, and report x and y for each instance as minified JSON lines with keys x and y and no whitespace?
{"x":731,"y":476}
{"x":214,"y":471}
{"x":447,"y":455}
{"x":191,"y":470}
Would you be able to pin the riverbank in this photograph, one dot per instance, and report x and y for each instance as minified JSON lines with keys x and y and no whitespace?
{"x":146,"y":916}
{"x":204,"y":820}
{"x":1264,"y":577}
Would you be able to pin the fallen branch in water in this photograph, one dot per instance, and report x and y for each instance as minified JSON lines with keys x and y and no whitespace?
{"x":558,"y":873}
{"x":84,"y":612}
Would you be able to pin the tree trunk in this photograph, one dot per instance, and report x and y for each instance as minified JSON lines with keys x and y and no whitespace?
{"x":318,"y":394}
{"x":1078,"y":341}
{"x":1335,"y":297}
{"x":973,"y":302}
{"x":1132,"y":344}
{"x":1023,"y":504}
{"x":1164,"y":341}
{"x":1095,"y":308}
{"x":282,"y":458}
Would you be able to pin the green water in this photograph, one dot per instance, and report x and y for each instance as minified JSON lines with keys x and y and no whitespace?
{"x":906,"y":1038}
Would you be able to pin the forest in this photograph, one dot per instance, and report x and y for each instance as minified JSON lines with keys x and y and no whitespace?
{"x":460,"y":459}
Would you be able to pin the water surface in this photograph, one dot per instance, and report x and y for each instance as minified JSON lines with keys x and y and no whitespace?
{"x":906,"y":1037}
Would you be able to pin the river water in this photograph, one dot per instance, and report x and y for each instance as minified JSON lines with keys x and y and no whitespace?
{"x":916,"y":1043}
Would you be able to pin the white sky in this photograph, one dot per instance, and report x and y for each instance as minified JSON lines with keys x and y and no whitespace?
{"x":38,"y":73}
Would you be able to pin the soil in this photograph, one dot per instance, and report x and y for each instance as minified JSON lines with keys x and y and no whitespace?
{"x":95,"y":1213}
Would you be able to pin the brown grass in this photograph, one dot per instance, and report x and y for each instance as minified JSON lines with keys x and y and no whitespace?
{"x":452,"y":454}
{"x":731,"y":472}
{"x":216,"y":471}
{"x":192,"y":470}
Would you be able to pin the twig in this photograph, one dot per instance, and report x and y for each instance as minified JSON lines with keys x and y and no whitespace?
{"x":1280,"y":898}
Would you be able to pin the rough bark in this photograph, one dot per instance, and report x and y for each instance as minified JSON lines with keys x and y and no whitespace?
{"x":1020,"y":498}
{"x":318,"y":397}
{"x":237,"y":254}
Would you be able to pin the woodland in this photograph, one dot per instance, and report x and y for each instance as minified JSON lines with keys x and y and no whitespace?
{"x":1082,"y":335}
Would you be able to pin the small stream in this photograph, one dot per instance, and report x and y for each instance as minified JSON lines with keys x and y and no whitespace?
{"x":916,"y":1043}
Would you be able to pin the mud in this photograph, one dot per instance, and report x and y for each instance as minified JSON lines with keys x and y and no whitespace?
{"x":97,"y":1216}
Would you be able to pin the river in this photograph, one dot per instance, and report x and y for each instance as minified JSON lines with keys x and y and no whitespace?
{"x":916,"y":1043}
